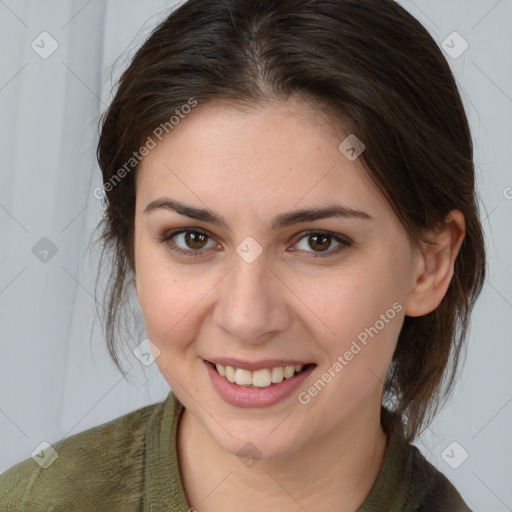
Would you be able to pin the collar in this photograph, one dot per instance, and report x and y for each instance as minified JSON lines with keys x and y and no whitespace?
{"x":163,"y":487}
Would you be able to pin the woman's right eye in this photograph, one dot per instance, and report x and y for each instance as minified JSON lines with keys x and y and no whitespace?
{"x":192,"y":241}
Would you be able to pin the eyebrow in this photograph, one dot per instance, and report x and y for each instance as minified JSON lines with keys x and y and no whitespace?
{"x":279,"y":221}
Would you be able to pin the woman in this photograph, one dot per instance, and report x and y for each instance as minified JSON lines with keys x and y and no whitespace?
{"x":290,"y":191}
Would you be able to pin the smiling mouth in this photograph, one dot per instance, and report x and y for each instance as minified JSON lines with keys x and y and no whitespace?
{"x":264,"y":378}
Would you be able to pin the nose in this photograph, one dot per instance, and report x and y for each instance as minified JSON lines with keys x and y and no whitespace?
{"x":252,"y":304}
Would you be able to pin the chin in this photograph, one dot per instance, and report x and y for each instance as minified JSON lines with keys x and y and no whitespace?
{"x":250,"y":442}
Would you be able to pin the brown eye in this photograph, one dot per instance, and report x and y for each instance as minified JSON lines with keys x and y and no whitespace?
{"x":320,"y":242}
{"x":189,"y":242}
{"x":195,"y":240}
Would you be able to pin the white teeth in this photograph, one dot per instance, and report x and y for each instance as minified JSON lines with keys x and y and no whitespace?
{"x":243,"y":377}
{"x":230,"y":374}
{"x":259,"y":378}
{"x":289,"y":371}
{"x":277,"y":374}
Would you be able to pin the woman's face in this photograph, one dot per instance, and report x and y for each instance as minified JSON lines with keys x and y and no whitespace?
{"x":260,"y":287}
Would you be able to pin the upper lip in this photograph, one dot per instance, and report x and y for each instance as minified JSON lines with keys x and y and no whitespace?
{"x":255,"y":365}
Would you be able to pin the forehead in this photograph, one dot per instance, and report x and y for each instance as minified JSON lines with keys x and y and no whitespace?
{"x":283,"y":153}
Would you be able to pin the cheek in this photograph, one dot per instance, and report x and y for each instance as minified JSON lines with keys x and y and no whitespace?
{"x":164,"y":304}
{"x":366,"y":320}
{"x":358,"y":316}
{"x":163,"y":297}
{"x":342,"y":304}
{"x":172,"y":299}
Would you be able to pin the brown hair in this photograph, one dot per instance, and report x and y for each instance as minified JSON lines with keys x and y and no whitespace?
{"x":368,"y":62}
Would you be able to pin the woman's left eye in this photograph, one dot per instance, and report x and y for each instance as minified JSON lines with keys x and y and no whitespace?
{"x":322,"y":240}
{"x":195,"y":240}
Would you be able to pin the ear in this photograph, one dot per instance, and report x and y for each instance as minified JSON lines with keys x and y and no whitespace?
{"x":435,"y":266}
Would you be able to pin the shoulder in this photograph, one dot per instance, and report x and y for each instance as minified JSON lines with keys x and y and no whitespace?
{"x":431,"y":490}
{"x":101,"y":466}
{"x":408,"y":481}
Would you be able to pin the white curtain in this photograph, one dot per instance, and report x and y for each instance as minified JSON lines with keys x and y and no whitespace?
{"x":56,"y":378}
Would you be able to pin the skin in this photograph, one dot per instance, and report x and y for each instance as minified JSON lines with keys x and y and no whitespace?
{"x":248,"y":166}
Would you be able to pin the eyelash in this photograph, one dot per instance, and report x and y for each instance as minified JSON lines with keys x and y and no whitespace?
{"x":344,"y":242}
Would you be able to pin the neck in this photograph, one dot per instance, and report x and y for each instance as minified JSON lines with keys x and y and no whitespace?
{"x":337,"y":470}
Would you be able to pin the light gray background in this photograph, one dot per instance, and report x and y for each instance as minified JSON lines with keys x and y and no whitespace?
{"x":57,"y":380}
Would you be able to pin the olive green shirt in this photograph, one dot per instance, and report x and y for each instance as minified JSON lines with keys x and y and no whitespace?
{"x":130,"y":464}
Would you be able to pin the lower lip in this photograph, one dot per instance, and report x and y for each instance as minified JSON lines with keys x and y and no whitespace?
{"x":241,"y":396}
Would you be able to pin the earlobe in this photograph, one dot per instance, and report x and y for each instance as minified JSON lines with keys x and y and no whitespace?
{"x":435,"y":266}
